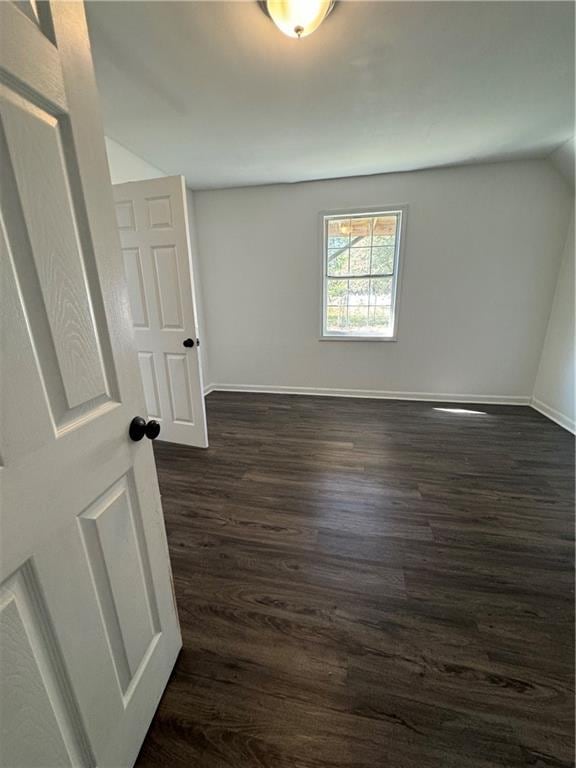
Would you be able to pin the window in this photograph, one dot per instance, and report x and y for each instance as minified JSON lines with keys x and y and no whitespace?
{"x":360,"y":277}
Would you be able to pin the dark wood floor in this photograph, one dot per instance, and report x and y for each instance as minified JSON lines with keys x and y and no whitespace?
{"x":369,"y":584}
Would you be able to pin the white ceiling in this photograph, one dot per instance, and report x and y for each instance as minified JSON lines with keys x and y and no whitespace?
{"x":214,"y":91}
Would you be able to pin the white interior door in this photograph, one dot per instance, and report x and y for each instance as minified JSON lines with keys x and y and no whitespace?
{"x":88,"y":625}
{"x":153,"y":224}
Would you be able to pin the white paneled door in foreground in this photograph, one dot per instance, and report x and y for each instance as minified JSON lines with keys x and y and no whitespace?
{"x":153,"y":224}
{"x":88,"y":624}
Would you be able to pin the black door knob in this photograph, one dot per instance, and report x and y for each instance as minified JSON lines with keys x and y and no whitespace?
{"x":188,"y":342}
{"x":139,"y":428}
{"x":152,"y":429}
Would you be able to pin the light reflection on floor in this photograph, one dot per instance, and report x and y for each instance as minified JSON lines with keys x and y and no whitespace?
{"x":462,"y":411}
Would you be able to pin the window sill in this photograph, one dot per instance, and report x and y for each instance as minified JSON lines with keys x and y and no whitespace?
{"x":358,"y":338}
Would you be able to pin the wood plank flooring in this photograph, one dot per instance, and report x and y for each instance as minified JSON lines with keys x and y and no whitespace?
{"x":369,"y":584}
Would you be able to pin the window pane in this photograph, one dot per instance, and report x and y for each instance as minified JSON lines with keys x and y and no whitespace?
{"x":380,"y":318}
{"x":358,"y":292}
{"x":385,"y":226}
{"x":337,"y":293}
{"x":337,"y":262}
{"x":383,"y":260}
{"x":361,"y":232}
{"x":337,"y":242}
{"x":338,"y":233}
{"x":336,"y":318}
{"x":381,"y":291}
{"x":383,"y":240}
{"x":357,"y":319}
{"x":359,"y":261}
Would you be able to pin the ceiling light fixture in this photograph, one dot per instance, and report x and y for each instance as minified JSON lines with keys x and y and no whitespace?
{"x":297,"y":18}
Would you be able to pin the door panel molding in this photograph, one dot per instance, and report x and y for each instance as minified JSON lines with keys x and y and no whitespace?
{"x":34,"y":678}
{"x":117,"y":555}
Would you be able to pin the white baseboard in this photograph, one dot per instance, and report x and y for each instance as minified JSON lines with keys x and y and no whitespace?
{"x":372,"y":393}
{"x":440,"y":397}
{"x":554,"y":415}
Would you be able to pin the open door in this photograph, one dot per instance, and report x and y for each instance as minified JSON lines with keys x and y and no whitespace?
{"x":154,"y":232}
{"x":88,"y":625}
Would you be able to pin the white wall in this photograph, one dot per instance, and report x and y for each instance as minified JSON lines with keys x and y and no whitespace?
{"x":554,"y":389}
{"x":126,"y":166}
{"x":483,"y":247}
{"x":563,"y":159}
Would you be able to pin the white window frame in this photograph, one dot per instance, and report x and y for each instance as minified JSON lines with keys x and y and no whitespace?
{"x":359,"y":213}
